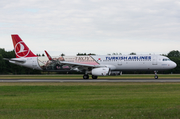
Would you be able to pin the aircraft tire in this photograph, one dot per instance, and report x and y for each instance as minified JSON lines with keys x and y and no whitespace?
{"x":94,"y":77}
{"x":85,"y":76}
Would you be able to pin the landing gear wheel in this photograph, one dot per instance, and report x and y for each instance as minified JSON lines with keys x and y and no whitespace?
{"x":94,"y":77}
{"x":156,"y":77}
{"x":85,"y":76}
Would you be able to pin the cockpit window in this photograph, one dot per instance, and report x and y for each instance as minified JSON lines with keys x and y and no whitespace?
{"x":166,"y":60}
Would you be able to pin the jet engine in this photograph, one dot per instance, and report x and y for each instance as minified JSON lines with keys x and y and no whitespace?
{"x":100,"y":71}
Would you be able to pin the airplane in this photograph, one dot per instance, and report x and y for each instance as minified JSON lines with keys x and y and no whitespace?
{"x":95,"y":65}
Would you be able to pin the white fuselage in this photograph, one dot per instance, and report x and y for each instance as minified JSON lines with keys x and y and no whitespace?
{"x":116,"y":62}
{"x":136,"y":62}
{"x":30,"y":62}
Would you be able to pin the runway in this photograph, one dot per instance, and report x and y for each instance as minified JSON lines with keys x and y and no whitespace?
{"x":91,"y":80}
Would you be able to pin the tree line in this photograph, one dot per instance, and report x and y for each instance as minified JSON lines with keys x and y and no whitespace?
{"x":9,"y":68}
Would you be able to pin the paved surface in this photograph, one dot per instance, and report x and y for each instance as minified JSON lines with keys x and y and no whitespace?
{"x":90,"y":80}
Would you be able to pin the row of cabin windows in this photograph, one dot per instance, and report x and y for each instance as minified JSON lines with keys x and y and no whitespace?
{"x":120,"y":60}
{"x":113,"y":60}
{"x":80,"y":61}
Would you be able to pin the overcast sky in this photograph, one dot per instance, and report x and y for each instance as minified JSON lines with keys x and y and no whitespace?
{"x":92,"y":26}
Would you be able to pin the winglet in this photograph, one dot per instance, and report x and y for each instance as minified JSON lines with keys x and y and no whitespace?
{"x":50,"y":58}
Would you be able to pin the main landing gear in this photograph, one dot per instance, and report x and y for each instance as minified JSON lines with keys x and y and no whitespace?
{"x":156,"y":76}
{"x":86,"y":76}
{"x":94,"y":77}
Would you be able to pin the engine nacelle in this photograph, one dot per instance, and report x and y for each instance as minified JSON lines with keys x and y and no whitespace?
{"x":100,"y":71}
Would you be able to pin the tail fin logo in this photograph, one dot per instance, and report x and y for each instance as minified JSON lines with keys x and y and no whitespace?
{"x":21,"y":49}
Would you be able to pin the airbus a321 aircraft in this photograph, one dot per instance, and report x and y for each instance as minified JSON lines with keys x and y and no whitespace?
{"x":91,"y":65}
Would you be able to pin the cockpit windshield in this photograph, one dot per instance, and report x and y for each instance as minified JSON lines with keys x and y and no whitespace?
{"x":166,"y":60}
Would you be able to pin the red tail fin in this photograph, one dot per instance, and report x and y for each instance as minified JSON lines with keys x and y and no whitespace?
{"x":21,"y":49}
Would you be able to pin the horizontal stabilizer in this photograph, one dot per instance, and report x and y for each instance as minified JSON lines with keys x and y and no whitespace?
{"x":16,"y":60}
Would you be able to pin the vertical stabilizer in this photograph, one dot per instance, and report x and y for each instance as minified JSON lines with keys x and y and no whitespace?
{"x":20,"y":48}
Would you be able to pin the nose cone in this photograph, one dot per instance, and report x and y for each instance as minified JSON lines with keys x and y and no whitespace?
{"x":173,"y":65}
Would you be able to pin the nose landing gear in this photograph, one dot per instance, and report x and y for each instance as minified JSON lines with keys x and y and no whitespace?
{"x":156,"y":76}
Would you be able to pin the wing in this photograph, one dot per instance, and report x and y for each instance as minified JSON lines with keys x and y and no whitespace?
{"x":73,"y":64}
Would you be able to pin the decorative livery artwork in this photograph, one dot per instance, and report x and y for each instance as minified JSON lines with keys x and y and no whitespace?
{"x":55,"y":63}
{"x":81,"y":59}
{"x":21,"y":50}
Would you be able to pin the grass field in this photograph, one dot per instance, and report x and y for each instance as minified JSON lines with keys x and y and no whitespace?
{"x":90,"y":100}
{"x":128,"y":76}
